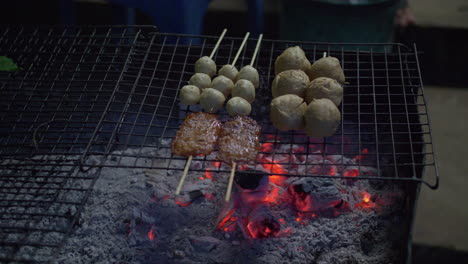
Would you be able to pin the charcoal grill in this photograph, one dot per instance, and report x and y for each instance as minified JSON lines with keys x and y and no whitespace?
{"x":84,"y":93}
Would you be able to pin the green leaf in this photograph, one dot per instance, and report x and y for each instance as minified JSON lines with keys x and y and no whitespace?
{"x":6,"y":64}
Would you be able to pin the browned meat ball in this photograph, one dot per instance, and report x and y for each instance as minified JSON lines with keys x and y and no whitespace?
{"x":197,"y":135}
{"x":239,"y":140}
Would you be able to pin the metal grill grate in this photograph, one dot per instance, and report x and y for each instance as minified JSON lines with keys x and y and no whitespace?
{"x":48,"y":112}
{"x":95,"y":91}
{"x":383,"y":109}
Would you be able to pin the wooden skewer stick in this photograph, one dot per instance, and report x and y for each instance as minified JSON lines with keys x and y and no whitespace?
{"x":324,"y":54}
{"x":231,"y":180}
{"x":217,"y":43}
{"x":254,"y":56}
{"x":189,"y":160}
{"x":181,"y":182}
{"x":240,"y":48}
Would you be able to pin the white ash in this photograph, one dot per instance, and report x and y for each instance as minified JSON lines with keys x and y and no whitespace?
{"x":135,"y":200}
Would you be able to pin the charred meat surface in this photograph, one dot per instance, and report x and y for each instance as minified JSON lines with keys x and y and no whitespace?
{"x":239,"y":140}
{"x":197,"y":135}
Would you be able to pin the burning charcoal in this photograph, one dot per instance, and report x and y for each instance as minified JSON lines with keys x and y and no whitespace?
{"x":204,"y":244}
{"x":315,"y":194}
{"x":262,"y":224}
{"x":248,"y":179}
{"x":264,"y":228}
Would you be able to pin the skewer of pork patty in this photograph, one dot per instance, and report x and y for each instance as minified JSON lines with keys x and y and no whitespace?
{"x":238,"y":142}
{"x":197,"y":135}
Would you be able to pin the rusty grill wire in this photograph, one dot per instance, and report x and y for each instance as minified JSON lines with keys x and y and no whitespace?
{"x":94,"y":91}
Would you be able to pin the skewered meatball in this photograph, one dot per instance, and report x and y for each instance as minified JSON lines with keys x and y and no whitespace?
{"x":249,"y":73}
{"x":189,"y":95}
{"x":211,"y":100}
{"x":229,"y":71}
{"x":206,"y":65}
{"x":244,"y":89}
{"x":292,"y":58}
{"x":324,"y":87}
{"x":290,"y":82}
{"x":287,"y":112}
{"x":222,"y":84}
{"x":327,"y":67}
{"x":201,"y":80}
{"x":322,"y":118}
{"x":238,"y":106}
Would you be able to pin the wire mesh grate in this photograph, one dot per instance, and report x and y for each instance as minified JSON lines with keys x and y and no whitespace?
{"x":84,"y":95}
{"x":383,"y":118}
{"x":48,"y":112}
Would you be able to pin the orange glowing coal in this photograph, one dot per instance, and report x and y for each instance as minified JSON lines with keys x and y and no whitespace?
{"x":366,"y":202}
{"x":360,"y":157}
{"x":151,"y":233}
{"x":267,"y":148}
{"x":263,"y":229}
{"x":181,"y":202}
{"x":351,"y":173}
{"x":208,"y":174}
{"x":366,"y":197}
{"x":227,"y":221}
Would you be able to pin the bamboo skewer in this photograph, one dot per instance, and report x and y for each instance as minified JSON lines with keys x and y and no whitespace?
{"x":234,"y":164}
{"x":324,"y":54}
{"x":217,"y":43}
{"x":233,"y":63}
{"x":231,"y":180}
{"x":181,"y":182}
{"x":254,"y":56}
{"x":189,"y":160}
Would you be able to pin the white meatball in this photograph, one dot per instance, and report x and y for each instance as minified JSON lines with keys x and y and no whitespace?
{"x":238,"y":106}
{"x":249,"y":73}
{"x":287,"y":112}
{"x":322,"y":118}
{"x":327,"y":67}
{"x":244,"y":89}
{"x":222,"y":84}
{"x":201,"y":80}
{"x":189,"y":95}
{"x":229,"y":71}
{"x":211,"y":100}
{"x":292,"y":58}
{"x":324,"y":87}
{"x":206,"y":65}
{"x":290,"y":82}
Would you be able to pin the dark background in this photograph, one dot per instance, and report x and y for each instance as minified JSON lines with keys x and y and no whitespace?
{"x":443,"y":57}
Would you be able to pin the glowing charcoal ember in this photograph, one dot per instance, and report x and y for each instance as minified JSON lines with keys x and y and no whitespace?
{"x":263,"y":228}
{"x":208,"y":174}
{"x":151,"y":233}
{"x":315,"y":194}
{"x":351,"y":173}
{"x":360,"y":157}
{"x":366,"y":198}
{"x":182,"y":202}
{"x":225,"y":222}
{"x":366,"y":202}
